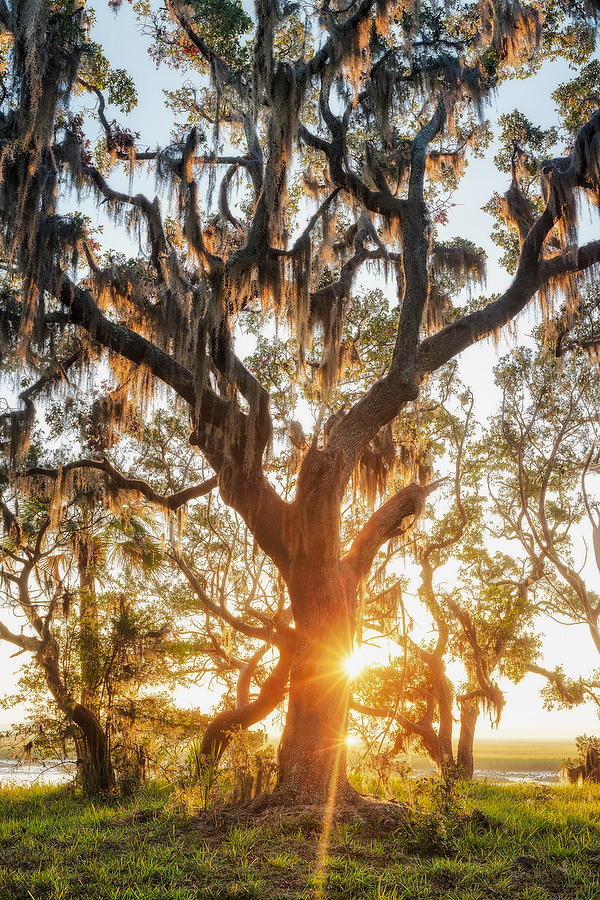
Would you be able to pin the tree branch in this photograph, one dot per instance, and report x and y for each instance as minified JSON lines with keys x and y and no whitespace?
{"x":422,"y":728}
{"x":343,"y":38}
{"x":219,"y":67}
{"x":123,"y":482}
{"x":379,"y":202}
{"x":85,"y":312}
{"x":385,"y":524}
{"x":219,"y":733}
{"x":577,"y":259}
{"x":34,"y":645}
{"x":219,"y":611}
{"x":386,"y":397}
{"x":569,"y":694}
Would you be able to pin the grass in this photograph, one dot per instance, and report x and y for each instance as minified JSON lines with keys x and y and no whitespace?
{"x":482,"y":841}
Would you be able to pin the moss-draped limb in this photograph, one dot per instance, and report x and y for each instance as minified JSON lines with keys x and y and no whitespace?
{"x":122,"y":482}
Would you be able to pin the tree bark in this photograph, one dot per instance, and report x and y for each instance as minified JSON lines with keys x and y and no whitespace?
{"x":469,"y":713}
{"x":443,"y":695}
{"x":221,"y":730}
{"x":94,"y":766}
{"x":312,"y":752}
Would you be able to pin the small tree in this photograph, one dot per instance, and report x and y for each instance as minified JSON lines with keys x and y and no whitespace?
{"x":98,"y":653}
{"x":481,"y":620}
{"x":36,"y":574}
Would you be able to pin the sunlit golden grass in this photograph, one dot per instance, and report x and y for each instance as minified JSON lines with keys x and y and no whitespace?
{"x":522,"y":755}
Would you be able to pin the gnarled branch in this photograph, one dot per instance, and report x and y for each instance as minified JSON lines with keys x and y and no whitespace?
{"x":125,"y":483}
{"x":385,"y":524}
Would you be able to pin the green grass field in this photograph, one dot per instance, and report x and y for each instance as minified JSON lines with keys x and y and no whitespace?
{"x":518,"y":843}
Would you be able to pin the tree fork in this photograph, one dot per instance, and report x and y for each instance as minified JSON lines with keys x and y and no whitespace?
{"x":223,"y":727}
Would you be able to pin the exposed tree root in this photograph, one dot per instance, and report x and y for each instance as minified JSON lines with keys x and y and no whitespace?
{"x":280,"y":805}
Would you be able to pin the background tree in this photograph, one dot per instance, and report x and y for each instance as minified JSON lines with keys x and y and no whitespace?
{"x":378,"y":103}
{"x":546,"y":437}
{"x":103,"y":654}
{"x":36,"y":570}
{"x":479,"y":619}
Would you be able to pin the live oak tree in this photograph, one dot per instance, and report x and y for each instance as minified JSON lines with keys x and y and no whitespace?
{"x":232,"y":600}
{"x":95,"y":642}
{"x":376,"y":104}
{"x":236,"y":593}
{"x":468,"y":609}
{"x":546,"y":435}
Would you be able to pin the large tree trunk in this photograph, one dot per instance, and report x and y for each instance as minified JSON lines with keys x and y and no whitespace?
{"x":469,"y":712}
{"x":312,"y":753}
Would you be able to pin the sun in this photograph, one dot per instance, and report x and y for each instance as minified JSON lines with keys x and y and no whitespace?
{"x":358,"y":659}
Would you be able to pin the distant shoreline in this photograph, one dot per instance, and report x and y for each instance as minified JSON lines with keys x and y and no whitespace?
{"x":491,"y":755}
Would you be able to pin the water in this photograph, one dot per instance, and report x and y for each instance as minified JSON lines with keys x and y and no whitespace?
{"x":498,"y":777}
{"x":506,"y":776}
{"x":50,"y":771}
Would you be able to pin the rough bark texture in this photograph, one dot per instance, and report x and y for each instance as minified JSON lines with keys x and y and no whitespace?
{"x":94,"y":764}
{"x":312,"y":753}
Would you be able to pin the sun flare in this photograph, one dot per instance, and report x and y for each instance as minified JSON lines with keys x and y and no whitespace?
{"x":358,"y":660}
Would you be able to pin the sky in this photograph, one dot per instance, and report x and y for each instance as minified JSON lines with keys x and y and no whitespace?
{"x":119,"y":34}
